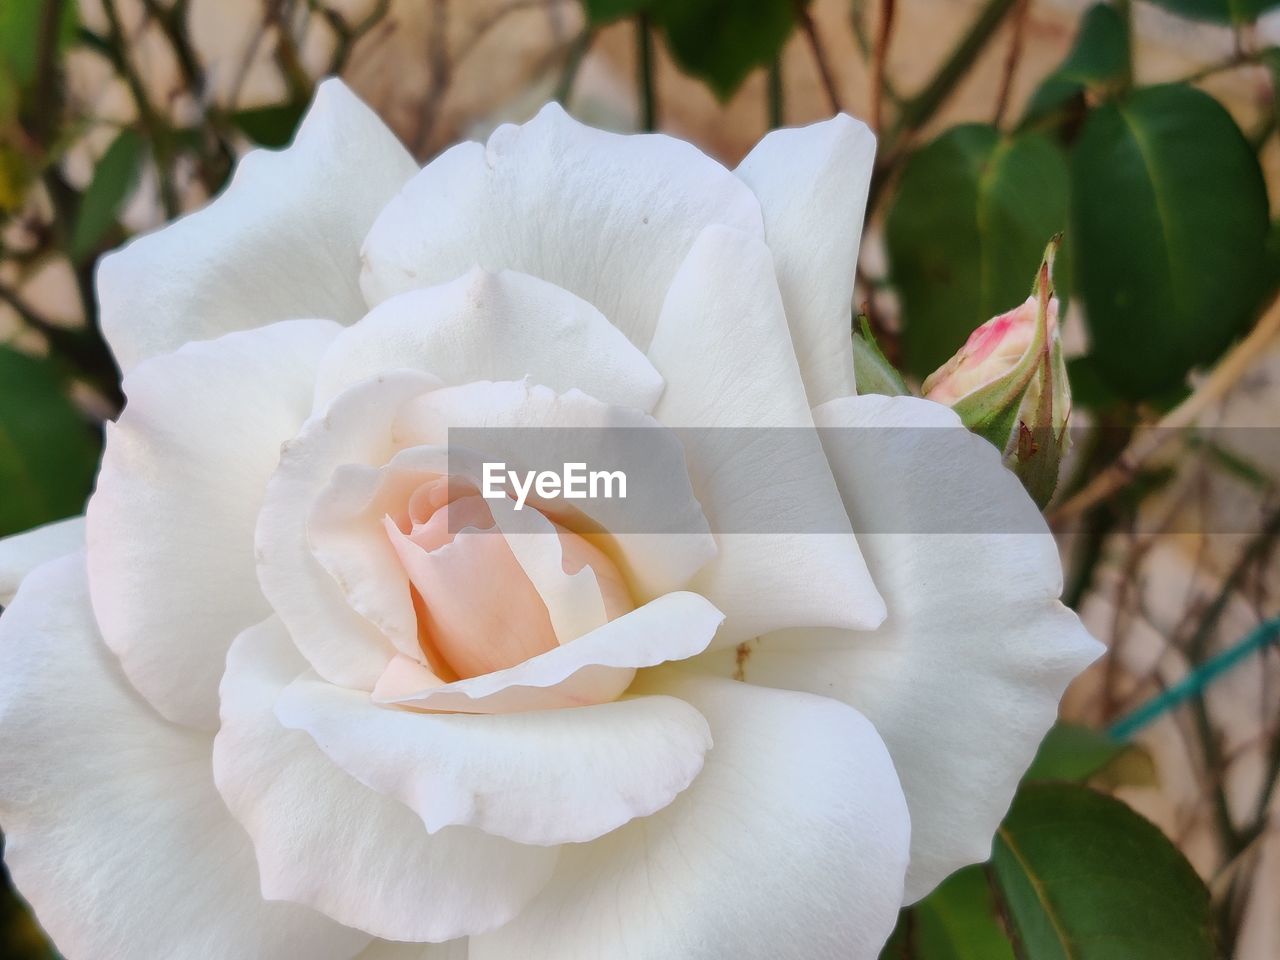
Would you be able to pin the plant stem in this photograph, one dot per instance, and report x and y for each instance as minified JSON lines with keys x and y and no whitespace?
{"x":819,"y":55}
{"x":919,"y":109}
{"x":777,"y":102}
{"x":878,"y":57}
{"x":644,"y":74}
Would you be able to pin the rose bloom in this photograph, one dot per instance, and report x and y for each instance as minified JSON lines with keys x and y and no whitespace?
{"x":275,"y":706}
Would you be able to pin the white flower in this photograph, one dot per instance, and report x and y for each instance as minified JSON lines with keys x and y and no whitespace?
{"x":231,"y":729}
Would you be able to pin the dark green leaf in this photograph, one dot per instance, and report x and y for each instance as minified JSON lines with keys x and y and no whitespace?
{"x":718,"y":41}
{"x":1219,"y":11}
{"x":601,"y":12}
{"x":1073,"y":752}
{"x":958,"y":921}
{"x":47,"y":452}
{"x":1086,"y":878}
{"x":966,"y":233}
{"x":721,"y":41}
{"x":270,"y":126}
{"x":1088,"y":390}
{"x":114,"y":179}
{"x":1099,"y":59}
{"x":1169,"y":223}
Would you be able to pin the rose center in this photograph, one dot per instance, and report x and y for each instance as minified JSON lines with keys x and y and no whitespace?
{"x":493,"y":591}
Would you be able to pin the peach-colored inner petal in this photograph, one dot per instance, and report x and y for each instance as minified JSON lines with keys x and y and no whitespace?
{"x":478,"y":611}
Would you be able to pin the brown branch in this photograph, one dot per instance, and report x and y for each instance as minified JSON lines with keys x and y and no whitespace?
{"x":879,"y":54}
{"x":1016,"y":42}
{"x":1224,"y":377}
{"x":819,"y":55}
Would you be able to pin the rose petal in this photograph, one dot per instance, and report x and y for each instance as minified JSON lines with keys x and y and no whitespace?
{"x":756,"y":460}
{"x":23,"y":552}
{"x":494,"y":326}
{"x":113,"y":829}
{"x":791,"y":842}
{"x":812,"y":184}
{"x":282,"y":242}
{"x":964,"y":677}
{"x":357,"y":429}
{"x":170,"y":526}
{"x":605,"y":216}
{"x":549,"y":777}
{"x":388,"y":950}
{"x":658,"y":531}
{"x":326,"y":841}
{"x":595,"y":668}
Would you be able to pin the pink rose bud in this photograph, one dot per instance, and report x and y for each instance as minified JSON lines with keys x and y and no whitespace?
{"x":991,"y":351}
{"x":1009,"y":384}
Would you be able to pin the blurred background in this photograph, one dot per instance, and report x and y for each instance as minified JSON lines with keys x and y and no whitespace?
{"x":1146,"y":131}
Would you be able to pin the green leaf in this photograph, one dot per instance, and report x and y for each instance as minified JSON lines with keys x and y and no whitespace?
{"x":1098,"y":60}
{"x":114,"y":179}
{"x":721,"y":41}
{"x":1219,"y":11}
{"x":872,"y":370}
{"x":48,"y":454}
{"x":1073,"y":752}
{"x":1085,"y":878}
{"x":20,"y":24}
{"x":972,"y":215}
{"x":718,"y":41}
{"x":1169,"y":226}
{"x":958,"y":921}
{"x":270,"y":126}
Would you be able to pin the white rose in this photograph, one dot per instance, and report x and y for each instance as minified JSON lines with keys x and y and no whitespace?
{"x":277,"y":709}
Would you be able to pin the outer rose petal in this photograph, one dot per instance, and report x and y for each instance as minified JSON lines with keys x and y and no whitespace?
{"x":731,"y":387}
{"x":607,"y":217}
{"x":792,"y":842}
{"x":170,"y":526}
{"x":23,"y":552}
{"x":324,"y":840}
{"x":281,"y":242}
{"x":812,"y":184}
{"x":494,"y":326}
{"x":114,"y":830}
{"x":546,"y":777}
{"x":387,"y":950}
{"x":964,"y":677}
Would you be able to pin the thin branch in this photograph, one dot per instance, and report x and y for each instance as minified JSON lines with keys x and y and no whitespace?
{"x":819,"y":55}
{"x":155,"y":128}
{"x":644,"y":74}
{"x":1224,"y":377}
{"x":879,"y":55}
{"x":572,"y":63}
{"x":777,"y":101}
{"x":350,"y":34}
{"x":1011,"y":61}
{"x":919,"y":109}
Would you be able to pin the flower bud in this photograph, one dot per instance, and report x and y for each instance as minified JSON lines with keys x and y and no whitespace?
{"x":991,"y":351}
{"x":1009,"y":384}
